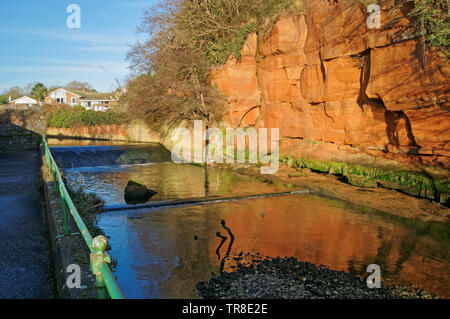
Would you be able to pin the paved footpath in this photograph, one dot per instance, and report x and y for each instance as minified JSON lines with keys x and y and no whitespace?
{"x":25,"y":266}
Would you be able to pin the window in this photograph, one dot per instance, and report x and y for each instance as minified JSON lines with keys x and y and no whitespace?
{"x":74,"y":100}
{"x":59,"y":100}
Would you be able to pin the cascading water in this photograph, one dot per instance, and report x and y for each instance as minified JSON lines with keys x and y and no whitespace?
{"x":106,"y":170}
{"x":109,"y":155}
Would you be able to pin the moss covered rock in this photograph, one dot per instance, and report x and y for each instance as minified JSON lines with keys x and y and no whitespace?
{"x":360,"y":181}
{"x":418,"y":183}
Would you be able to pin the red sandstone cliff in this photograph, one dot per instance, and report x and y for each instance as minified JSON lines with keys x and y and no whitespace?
{"x":325,"y":76}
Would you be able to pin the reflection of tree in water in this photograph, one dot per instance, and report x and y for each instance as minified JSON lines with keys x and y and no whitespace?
{"x":206,"y":181}
{"x":222,"y":263}
{"x":171,"y":261}
{"x":174,"y":262}
{"x":407,"y":244}
{"x":223,"y":240}
{"x":194,"y":261}
{"x":382,"y":257}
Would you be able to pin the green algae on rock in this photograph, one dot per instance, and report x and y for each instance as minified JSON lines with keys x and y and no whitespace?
{"x":418,"y":183}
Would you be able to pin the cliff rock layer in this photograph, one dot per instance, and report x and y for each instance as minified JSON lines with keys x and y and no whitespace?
{"x":326,"y":76}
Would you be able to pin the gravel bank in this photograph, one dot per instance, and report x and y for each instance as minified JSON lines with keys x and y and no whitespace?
{"x":255,"y":277}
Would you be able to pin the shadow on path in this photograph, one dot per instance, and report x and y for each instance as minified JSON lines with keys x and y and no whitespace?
{"x":25,"y":264}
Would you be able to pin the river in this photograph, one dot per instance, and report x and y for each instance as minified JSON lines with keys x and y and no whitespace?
{"x":163,"y":252}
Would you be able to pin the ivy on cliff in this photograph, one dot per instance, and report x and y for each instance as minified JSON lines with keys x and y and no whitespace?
{"x":434,"y":21}
{"x":431,"y":18}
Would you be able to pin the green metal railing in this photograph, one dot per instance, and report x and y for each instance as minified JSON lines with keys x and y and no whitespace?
{"x":99,"y":258}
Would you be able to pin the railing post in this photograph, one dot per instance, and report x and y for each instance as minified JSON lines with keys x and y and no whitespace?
{"x":98,"y":257}
{"x":55,"y":179}
{"x":47,"y":155}
{"x":64,"y":210}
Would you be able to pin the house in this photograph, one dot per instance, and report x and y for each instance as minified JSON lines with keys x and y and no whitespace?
{"x":97,"y":101}
{"x":90,"y":100}
{"x":62,"y":96}
{"x":25,"y":100}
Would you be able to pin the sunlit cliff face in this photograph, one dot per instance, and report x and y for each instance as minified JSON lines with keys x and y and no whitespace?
{"x":328,"y":77}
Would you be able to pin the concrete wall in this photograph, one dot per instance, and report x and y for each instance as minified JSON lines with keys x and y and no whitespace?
{"x":70,"y":250}
{"x":20,"y":129}
{"x":137,"y":131}
{"x":20,"y":107}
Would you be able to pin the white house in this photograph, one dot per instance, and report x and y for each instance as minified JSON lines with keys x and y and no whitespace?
{"x":63,"y":96}
{"x":26,"y":100}
{"x":90,"y":100}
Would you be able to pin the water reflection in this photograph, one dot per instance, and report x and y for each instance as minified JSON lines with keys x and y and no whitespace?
{"x":163,"y":253}
{"x":166,"y":252}
{"x":171,"y":181}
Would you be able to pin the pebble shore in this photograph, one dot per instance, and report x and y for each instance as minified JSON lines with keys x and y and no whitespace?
{"x":257,"y":277}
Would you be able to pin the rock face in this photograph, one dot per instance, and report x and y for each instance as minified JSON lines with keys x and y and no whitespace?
{"x":326,"y":76}
{"x":136,"y":193}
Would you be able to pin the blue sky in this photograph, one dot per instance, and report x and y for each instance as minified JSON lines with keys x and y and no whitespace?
{"x":36,"y":44}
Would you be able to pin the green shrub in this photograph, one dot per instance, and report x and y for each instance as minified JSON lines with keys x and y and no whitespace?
{"x":68,"y":117}
{"x":254,"y":16}
{"x":3,"y":100}
{"x":88,"y":205}
{"x":215,"y":28}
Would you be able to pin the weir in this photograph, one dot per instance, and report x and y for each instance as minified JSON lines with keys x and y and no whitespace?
{"x":106,"y":169}
{"x":199,"y":201}
{"x":107,"y":155}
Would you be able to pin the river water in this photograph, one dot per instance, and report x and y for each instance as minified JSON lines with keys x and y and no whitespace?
{"x":164,"y":252}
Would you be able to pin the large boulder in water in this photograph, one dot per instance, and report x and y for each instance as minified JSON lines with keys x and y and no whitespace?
{"x":136,"y":193}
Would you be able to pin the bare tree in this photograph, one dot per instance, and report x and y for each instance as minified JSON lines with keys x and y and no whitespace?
{"x":80,"y":86}
{"x":174,"y":63}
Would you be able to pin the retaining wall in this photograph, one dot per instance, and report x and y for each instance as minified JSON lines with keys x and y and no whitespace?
{"x":70,"y":250}
{"x":21,"y":129}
